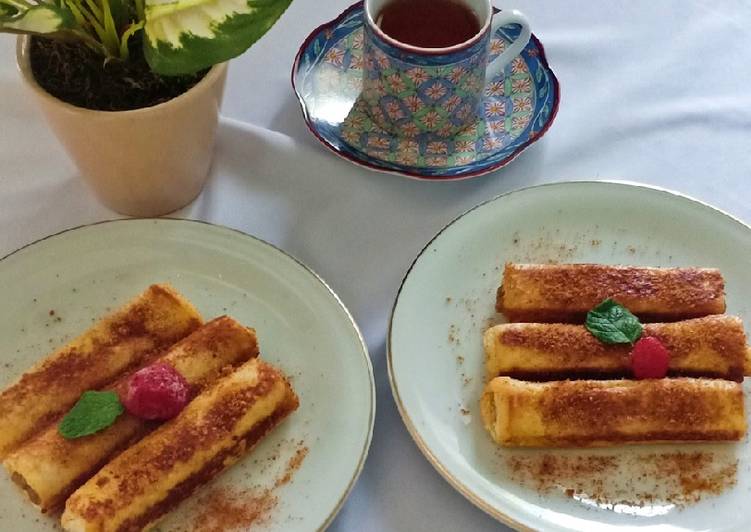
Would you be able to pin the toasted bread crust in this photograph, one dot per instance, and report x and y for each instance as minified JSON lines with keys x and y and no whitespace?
{"x":131,"y":336}
{"x":212,"y":432}
{"x":49,"y":467}
{"x":596,"y":413}
{"x":212,"y":468}
{"x":566,"y":292}
{"x":712,"y":346}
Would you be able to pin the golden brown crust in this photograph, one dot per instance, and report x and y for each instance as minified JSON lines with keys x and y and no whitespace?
{"x":592,"y":408}
{"x":712,"y":346}
{"x":585,"y":413}
{"x":602,"y":375}
{"x":566,"y":292}
{"x":49,"y":467}
{"x":212,"y":432}
{"x":130,"y":337}
{"x":214,"y":467}
{"x":222,"y":335}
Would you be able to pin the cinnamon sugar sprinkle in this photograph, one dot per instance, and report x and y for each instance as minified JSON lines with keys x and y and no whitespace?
{"x":222,"y":509}
{"x":225,"y":509}
{"x":639,"y":484}
{"x":293,"y":464}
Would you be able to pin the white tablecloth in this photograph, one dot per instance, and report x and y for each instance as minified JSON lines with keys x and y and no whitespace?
{"x":657,"y":92}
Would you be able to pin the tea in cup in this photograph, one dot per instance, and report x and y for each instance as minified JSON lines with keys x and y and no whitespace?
{"x":426,"y":62}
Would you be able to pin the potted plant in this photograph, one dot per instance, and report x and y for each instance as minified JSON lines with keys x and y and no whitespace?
{"x":132,"y":88}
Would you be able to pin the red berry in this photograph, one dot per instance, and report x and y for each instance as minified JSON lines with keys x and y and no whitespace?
{"x":157,"y":391}
{"x":650,"y":359}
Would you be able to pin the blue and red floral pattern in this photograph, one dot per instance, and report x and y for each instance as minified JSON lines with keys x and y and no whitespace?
{"x":408,"y":94}
{"x":516,"y":109}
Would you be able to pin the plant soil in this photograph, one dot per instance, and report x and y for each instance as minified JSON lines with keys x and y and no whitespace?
{"x":77,"y":75}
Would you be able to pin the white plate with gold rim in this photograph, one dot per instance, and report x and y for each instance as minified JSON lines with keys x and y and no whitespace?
{"x":302,"y":327}
{"x":435,"y":360}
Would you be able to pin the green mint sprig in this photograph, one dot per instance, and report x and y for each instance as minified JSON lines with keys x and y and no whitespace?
{"x":93,"y":412}
{"x":612,"y":323}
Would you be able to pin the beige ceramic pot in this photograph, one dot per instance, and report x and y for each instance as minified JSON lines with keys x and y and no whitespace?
{"x":144,"y":162}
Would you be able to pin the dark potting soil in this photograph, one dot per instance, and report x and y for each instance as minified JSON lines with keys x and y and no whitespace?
{"x":76,"y":74}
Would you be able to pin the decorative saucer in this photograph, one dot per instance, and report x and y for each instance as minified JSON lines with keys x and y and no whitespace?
{"x":518,"y":108}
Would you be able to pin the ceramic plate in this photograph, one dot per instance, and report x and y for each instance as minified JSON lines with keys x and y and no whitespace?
{"x":518,"y":108}
{"x":436,"y":360}
{"x":302,"y":327}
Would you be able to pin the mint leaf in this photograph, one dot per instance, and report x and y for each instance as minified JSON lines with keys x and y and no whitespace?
{"x":612,"y":323}
{"x":93,"y":412}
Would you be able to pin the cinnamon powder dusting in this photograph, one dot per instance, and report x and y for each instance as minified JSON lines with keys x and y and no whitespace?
{"x":638,"y":484}
{"x":693,"y":474}
{"x":548,"y":471}
{"x":224,"y":509}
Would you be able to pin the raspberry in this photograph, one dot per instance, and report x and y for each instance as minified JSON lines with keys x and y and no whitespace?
{"x":157,"y":391}
{"x":650,"y":359}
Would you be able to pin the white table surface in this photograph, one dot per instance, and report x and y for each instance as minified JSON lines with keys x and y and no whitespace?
{"x":656,"y":92}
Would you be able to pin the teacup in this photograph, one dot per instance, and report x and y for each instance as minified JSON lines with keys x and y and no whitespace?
{"x":410,"y":90}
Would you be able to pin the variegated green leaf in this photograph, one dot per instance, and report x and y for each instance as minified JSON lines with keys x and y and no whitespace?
{"x":7,"y":10}
{"x":184,"y":36}
{"x":42,"y":19}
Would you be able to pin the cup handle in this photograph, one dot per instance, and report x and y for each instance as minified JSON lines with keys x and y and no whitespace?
{"x":496,"y":66}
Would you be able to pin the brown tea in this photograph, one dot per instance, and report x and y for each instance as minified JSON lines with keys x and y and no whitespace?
{"x":428,"y":23}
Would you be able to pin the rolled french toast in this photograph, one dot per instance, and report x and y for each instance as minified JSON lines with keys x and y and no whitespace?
{"x":124,"y":340}
{"x":49,"y":467}
{"x":566,"y":292}
{"x":600,"y":413}
{"x":134,"y":490}
{"x":712,"y":346}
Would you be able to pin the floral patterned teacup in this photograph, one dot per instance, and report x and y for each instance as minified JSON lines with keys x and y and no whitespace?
{"x":409,"y":90}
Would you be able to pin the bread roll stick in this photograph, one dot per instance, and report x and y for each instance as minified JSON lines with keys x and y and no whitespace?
{"x":214,"y":431}
{"x":566,"y":292}
{"x":128,"y":338}
{"x":598,"y":413}
{"x":49,"y":467}
{"x":713,"y":346}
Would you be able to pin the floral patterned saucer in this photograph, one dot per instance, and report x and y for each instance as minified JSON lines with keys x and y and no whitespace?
{"x":518,"y":108}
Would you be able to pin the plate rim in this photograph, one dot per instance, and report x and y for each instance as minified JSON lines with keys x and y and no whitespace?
{"x":363,"y":345}
{"x":452,"y":480}
{"x":415,"y":175}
